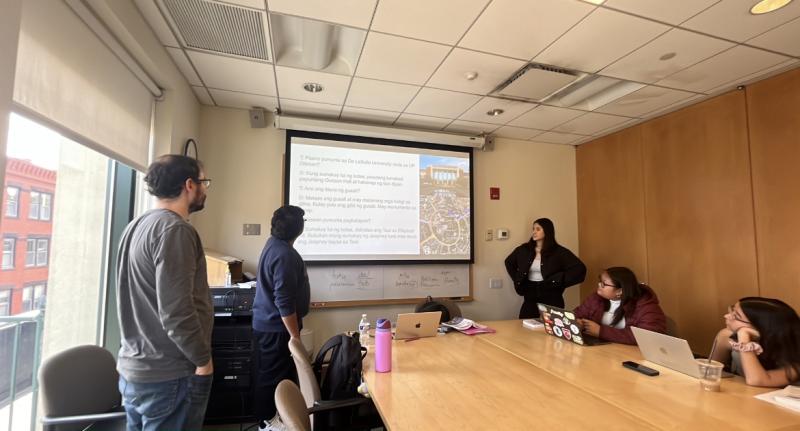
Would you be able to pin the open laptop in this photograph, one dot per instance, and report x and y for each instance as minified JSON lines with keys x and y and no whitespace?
{"x":667,"y":351}
{"x":417,"y":325}
{"x":561,"y":323}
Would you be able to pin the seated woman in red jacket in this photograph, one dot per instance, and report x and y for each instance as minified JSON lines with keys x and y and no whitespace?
{"x":619,"y":303}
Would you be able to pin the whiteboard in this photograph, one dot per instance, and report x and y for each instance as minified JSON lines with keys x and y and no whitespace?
{"x":386,"y":282}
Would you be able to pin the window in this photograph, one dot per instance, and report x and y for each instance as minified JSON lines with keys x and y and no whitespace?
{"x":33,"y":297}
{"x":30,"y":252}
{"x":42,"y":246}
{"x":5,"y":302}
{"x":8,"y":253}
{"x":12,"y":202}
{"x":41,"y":207}
{"x":33,"y":208}
{"x":46,"y":206}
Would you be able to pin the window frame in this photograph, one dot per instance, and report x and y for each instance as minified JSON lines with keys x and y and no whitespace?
{"x":8,"y":201}
{"x":31,"y":205}
{"x":13,"y":252}
{"x":39,"y":251}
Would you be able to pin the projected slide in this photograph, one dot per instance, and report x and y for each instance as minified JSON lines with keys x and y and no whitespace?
{"x":376,"y":202}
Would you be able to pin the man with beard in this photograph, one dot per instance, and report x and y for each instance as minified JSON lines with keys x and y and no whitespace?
{"x":164,"y":304}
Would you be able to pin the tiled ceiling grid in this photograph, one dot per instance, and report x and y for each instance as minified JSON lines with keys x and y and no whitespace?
{"x":411,"y":63}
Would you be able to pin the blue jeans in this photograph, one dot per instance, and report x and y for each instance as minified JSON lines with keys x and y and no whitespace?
{"x":170,"y":406}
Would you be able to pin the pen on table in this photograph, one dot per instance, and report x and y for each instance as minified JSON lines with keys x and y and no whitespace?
{"x":411,"y":339}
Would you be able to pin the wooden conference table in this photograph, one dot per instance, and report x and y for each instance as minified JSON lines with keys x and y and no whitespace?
{"x":521,"y":379}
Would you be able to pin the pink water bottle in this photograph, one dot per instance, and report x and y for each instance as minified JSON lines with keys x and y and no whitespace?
{"x":383,"y":346}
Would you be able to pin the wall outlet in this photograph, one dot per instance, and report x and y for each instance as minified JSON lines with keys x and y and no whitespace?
{"x":495,"y":283}
{"x":489,"y":235}
{"x":251,"y":229}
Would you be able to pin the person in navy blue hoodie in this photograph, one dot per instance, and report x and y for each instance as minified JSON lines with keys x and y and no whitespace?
{"x":282,"y":300}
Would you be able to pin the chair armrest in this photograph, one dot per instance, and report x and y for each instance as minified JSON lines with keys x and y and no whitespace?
{"x":60,"y":420}
{"x":323,"y":406}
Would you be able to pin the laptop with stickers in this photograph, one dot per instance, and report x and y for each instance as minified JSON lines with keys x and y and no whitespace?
{"x":563,"y":324}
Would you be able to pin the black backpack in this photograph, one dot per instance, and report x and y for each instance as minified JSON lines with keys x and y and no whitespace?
{"x":344,"y":369}
{"x":431,"y":304}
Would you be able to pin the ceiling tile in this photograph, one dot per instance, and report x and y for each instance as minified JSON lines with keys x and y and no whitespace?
{"x":491,"y":71}
{"x":460,"y":126}
{"x":599,"y":40}
{"x":441,"y":103}
{"x":184,"y":66}
{"x":757,"y":76}
{"x":355,"y":13}
{"x":671,"y":11}
{"x":728,"y":66}
{"x":203,"y":96}
{"x":516,"y":132}
{"x":643,"y":101}
{"x":414,"y":121}
{"x":389,"y":96}
{"x":732,"y":19}
{"x":234,"y":74}
{"x":309,"y":109}
{"x":362,"y":115}
{"x":255,"y":4}
{"x":160,"y":27}
{"x":686,"y":102}
{"x":291,"y":81}
{"x":521,"y":29}
{"x":590,"y":123}
{"x":557,"y":138}
{"x":232,"y":99}
{"x":511,"y":109}
{"x":782,"y":39}
{"x":645,"y":65}
{"x":620,"y":126}
{"x":545,"y":117}
{"x":443,"y":21}
{"x":393,"y":58}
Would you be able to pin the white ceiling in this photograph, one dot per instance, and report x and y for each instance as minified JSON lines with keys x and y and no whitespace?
{"x":410,"y":70}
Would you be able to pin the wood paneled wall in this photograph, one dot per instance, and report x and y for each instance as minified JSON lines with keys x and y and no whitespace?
{"x":713,"y":212}
{"x":611,"y":205}
{"x":773,"y":107}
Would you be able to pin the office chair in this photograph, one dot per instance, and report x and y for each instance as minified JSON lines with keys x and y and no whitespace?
{"x":79,"y":389}
{"x":360,"y":410}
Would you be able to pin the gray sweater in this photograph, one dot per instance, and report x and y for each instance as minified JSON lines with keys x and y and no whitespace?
{"x":163,"y":301}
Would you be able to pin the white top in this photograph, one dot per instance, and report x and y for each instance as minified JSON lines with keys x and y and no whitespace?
{"x":608,"y":316}
{"x":535,"y":273}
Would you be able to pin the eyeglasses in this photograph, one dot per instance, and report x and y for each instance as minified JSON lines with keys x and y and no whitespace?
{"x":600,"y":284}
{"x":732,"y":312}
{"x":204,"y":181}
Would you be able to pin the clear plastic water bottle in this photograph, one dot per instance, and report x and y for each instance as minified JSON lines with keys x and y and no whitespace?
{"x":228,"y":277}
{"x":363,"y":330}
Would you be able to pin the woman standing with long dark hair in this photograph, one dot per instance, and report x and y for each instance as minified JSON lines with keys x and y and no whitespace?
{"x":541,"y":269}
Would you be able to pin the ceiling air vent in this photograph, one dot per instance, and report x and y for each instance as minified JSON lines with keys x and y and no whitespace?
{"x":536,"y":82}
{"x":220,"y":28}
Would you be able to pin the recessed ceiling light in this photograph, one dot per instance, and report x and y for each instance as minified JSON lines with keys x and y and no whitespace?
{"x":667,"y":56}
{"x":471,"y":76}
{"x":312,"y":87}
{"x":495,"y":112}
{"x":597,"y":2}
{"x":766,"y":6}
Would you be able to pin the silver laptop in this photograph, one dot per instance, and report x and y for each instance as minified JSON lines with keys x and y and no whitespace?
{"x":417,"y":325}
{"x":666,"y":351}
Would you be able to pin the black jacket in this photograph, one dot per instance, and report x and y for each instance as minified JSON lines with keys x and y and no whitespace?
{"x":560,"y":267}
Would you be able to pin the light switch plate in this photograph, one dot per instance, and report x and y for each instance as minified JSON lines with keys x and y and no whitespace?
{"x":495,"y":283}
{"x":489,"y":234}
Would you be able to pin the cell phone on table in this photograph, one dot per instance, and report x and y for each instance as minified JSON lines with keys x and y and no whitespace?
{"x":647,"y":371}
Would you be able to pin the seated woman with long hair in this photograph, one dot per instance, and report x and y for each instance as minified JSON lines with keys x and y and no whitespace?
{"x":619,"y":303}
{"x":761,"y":341}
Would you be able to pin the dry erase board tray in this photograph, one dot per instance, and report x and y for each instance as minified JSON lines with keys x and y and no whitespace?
{"x":342,"y":286}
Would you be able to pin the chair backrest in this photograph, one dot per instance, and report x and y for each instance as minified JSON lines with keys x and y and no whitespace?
{"x":305,"y":374}
{"x":292,"y":407}
{"x":81,"y":380}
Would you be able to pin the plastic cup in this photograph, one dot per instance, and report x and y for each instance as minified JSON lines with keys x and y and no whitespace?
{"x":710,"y":374}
